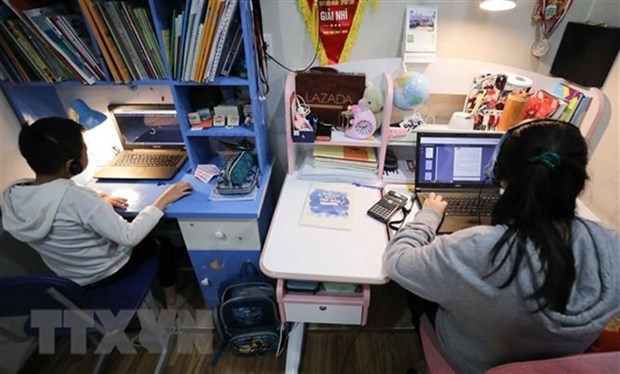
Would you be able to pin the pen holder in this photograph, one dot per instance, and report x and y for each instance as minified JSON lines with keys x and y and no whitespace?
{"x":513,"y":111}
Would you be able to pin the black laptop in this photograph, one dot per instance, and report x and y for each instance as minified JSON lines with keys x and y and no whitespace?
{"x":452,"y":164}
{"x":153,"y":146}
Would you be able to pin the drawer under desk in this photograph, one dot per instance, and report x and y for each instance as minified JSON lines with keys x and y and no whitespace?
{"x":347,"y":309}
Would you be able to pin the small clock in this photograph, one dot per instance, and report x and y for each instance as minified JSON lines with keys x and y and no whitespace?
{"x":363,"y":123}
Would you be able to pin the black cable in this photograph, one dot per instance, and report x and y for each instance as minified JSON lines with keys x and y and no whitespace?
{"x":480,"y":200}
{"x":316,"y":53}
{"x":371,"y":313}
{"x":397,"y":224}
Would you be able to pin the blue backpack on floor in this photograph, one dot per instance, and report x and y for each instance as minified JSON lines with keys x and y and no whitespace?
{"x":246,"y":318}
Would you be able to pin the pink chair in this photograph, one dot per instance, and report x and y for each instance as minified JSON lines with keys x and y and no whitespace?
{"x":590,"y":363}
{"x":433,"y":353}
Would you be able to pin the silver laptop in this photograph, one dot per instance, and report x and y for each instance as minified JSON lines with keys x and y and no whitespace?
{"x":153,"y":146}
{"x":452,"y":164}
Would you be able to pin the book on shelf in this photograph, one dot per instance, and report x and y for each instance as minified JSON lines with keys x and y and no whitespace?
{"x":148,"y":34}
{"x":175,"y":42}
{"x":229,"y":17}
{"x":126,"y":28}
{"x":232,"y":52}
{"x":212,"y":16}
{"x":580,"y":111}
{"x":33,"y":15}
{"x":121,"y":40}
{"x":571,"y":95}
{"x":32,"y":62}
{"x":541,"y":104}
{"x":363,"y":154}
{"x":140,"y":31}
{"x":192,"y":34}
{"x":12,"y":67}
{"x":66,"y":26}
{"x":117,"y":67}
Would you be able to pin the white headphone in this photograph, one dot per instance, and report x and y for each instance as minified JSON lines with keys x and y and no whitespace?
{"x":300,"y":111}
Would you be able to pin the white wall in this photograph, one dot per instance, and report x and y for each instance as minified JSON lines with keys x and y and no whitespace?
{"x":464,"y":31}
{"x":12,"y":165}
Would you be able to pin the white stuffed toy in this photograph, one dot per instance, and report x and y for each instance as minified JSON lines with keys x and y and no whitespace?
{"x":373,"y":99}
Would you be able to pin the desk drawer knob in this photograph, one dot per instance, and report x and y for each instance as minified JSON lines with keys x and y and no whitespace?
{"x":322,"y":308}
{"x":219,"y":235}
{"x":205,"y":282}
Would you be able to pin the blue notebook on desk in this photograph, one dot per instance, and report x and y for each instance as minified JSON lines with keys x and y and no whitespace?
{"x":452,"y":164}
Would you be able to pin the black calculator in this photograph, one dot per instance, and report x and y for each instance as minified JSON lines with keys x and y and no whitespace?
{"x":389,"y":204}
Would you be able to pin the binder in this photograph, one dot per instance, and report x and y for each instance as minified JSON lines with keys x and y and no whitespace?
{"x":205,"y":45}
{"x":222,"y":32}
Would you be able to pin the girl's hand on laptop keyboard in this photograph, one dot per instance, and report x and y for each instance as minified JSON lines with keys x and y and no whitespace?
{"x":172,"y":194}
{"x":435,"y":202}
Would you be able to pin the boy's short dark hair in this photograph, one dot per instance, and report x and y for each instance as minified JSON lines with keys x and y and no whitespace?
{"x":50,"y":142}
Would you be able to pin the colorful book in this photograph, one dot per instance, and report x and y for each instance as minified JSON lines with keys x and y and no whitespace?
{"x":541,"y":104}
{"x":229,"y":18}
{"x":580,"y":111}
{"x":111,"y":54}
{"x":570,"y":94}
{"x":363,"y":154}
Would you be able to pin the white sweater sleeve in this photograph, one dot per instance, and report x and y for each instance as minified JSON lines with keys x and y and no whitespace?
{"x":107,"y":222}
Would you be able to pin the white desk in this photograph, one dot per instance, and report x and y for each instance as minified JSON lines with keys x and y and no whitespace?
{"x":294,"y":251}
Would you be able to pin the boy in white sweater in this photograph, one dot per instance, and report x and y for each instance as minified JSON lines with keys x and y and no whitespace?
{"x":76,"y":231}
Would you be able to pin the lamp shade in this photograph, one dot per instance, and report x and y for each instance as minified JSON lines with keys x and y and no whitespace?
{"x":85,"y":115}
{"x":497,"y":5}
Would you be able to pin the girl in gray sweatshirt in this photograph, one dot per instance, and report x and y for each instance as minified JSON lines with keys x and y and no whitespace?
{"x":539,"y":282}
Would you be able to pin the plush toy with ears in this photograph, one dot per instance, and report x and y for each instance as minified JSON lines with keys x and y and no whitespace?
{"x":373,"y":99}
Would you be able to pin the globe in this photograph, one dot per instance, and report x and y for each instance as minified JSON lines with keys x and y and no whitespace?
{"x":410,"y":91}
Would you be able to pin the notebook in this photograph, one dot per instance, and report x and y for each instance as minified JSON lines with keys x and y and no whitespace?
{"x":153,"y":146}
{"x":452,"y":164}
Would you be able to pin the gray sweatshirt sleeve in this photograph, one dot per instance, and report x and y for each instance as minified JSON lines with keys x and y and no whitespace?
{"x":429,"y":266}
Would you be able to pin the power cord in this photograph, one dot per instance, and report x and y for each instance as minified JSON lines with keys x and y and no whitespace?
{"x":316,"y":53}
{"x":480,"y":200}
{"x":372,"y":313}
{"x":397,"y":224}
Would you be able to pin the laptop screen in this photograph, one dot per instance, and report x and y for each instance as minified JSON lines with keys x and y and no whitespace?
{"x":453,"y":159}
{"x":147,"y":126}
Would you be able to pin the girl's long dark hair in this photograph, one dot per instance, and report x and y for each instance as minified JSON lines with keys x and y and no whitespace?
{"x":538,"y":204}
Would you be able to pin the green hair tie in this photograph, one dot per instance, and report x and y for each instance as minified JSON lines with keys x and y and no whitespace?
{"x":548,"y":158}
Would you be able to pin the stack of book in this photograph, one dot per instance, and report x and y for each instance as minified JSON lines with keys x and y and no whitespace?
{"x":345,"y":158}
{"x":206,"y":41}
{"x":564,"y":103}
{"x":340,"y":164}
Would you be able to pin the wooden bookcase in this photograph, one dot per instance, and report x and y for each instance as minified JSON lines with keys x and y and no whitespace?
{"x":223,"y":233}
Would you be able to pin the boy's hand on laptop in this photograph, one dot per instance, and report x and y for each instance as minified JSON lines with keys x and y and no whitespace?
{"x":172,"y":194}
{"x":435,"y":202}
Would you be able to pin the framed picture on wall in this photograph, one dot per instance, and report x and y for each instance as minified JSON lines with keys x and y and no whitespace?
{"x":420,"y":33}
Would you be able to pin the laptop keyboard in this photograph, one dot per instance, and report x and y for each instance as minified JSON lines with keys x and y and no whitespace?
{"x":147,"y":160}
{"x":470,"y":205}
